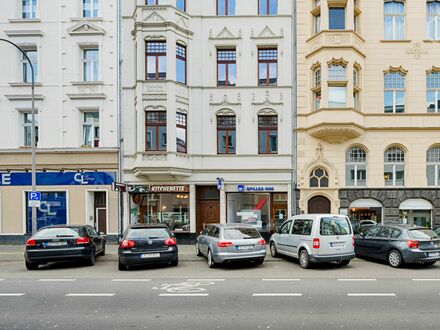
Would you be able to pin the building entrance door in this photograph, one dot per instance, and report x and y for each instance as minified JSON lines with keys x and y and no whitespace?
{"x":319,"y":204}
{"x":208,"y":207}
{"x":101,"y":216}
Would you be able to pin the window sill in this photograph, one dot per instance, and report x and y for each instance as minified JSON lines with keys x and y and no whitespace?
{"x":24,"y":84}
{"x":86,"y":83}
{"x":432,"y":40}
{"x":25,"y":20}
{"x":158,"y":152}
{"x":90,"y":19}
{"x":395,"y":41}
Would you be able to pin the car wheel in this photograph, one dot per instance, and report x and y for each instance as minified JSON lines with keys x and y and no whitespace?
{"x":92,"y":258}
{"x":174,"y":262}
{"x":121,"y":266}
{"x":429,"y":263}
{"x":273,"y":250}
{"x":343,"y":262}
{"x":31,"y":265}
{"x":304,"y":260}
{"x":199,"y":254}
{"x":395,"y":259}
{"x":211,"y":262}
{"x":258,"y":261}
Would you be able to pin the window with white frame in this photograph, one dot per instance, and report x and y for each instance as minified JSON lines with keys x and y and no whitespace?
{"x":356,"y":167}
{"x":90,"y":8}
{"x":29,"y":9}
{"x":394,"y":20}
{"x":394,"y":92}
{"x":336,"y":72}
{"x":27,"y":72}
{"x":394,"y":167}
{"x":316,"y":88}
{"x":356,"y":87}
{"x":433,"y":19}
{"x":433,"y":166}
{"x":91,"y":129}
{"x":90,"y":64}
{"x":27,"y":129}
{"x":433,"y":91}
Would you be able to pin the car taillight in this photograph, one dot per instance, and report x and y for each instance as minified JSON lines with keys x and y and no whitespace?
{"x":261,"y":242}
{"x":82,"y":240}
{"x":224,"y":244}
{"x":412,"y":244}
{"x":316,"y":243}
{"x":170,"y":241}
{"x":31,"y":242}
{"x":352,"y":239}
{"x":126,"y":244}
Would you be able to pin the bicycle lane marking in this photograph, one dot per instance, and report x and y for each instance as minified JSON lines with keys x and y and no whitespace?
{"x":184,"y":289}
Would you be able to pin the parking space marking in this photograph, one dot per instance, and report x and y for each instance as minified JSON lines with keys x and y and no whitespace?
{"x":90,"y":295}
{"x":356,"y":279}
{"x":281,"y":279}
{"x":206,"y":279}
{"x":426,"y":279}
{"x":131,"y":280}
{"x":184,"y":295}
{"x":277,"y":294}
{"x":371,"y":294}
{"x":11,"y":294}
{"x":57,"y":280}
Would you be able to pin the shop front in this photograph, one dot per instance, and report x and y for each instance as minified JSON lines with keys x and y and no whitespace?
{"x":365,"y":209}
{"x":415,"y":212}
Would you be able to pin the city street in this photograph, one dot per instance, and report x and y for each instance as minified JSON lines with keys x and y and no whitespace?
{"x":276,"y":295}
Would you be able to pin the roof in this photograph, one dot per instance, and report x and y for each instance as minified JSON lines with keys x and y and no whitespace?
{"x":148,"y":225}
{"x":231,"y":225}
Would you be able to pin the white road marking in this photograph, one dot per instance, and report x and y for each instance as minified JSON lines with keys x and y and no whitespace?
{"x":371,"y":294}
{"x":206,"y":279}
{"x":57,"y":280}
{"x":426,"y":279}
{"x":2,"y":279}
{"x":90,"y":295}
{"x":356,"y":279}
{"x":184,"y":295}
{"x":277,"y":294}
{"x":131,"y":280}
{"x":281,"y":279}
{"x":11,"y":294}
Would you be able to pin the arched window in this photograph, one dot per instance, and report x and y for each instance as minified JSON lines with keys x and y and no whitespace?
{"x":433,"y":166}
{"x":433,"y":19}
{"x":394,"y":167}
{"x":319,"y":178}
{"x":394,"y":92}
{"x":394,"y":20}
{"x":356,"y":167}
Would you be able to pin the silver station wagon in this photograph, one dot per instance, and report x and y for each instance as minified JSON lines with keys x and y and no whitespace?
{"x":314,"y":238}
{"x":221,"y":243}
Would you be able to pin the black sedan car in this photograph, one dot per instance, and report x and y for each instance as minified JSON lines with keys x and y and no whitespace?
{"x":64,"y":243}
{"x":399,"y":245}
{"x":147,"y":244}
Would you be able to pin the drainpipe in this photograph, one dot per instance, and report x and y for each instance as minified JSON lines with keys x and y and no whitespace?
{"x":120,"y":138}
{"x":294,"y":110}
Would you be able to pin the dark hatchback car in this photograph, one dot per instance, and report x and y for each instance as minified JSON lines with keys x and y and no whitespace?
{"x":64,"y":243}
{"x":362,"y":225}
{"x":399,"y":244}
{"x":147,"y":244}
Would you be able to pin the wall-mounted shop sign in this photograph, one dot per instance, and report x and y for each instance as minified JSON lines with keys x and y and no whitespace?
{"x":243,"y":188}
{"x":58,"y":178}
{"x":135,"y":189}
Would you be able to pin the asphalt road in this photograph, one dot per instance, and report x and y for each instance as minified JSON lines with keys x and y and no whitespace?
{"x":276,"y":295}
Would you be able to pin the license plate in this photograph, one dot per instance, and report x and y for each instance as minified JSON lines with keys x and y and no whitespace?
{"x":150,"y":255}
{"x":245,"y":247}
{"x":55,"y":244}
{"x":434,"y":254}
{"x":337,"y":244}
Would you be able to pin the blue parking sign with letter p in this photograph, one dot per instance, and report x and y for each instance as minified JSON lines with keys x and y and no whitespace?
{"x":34,"y":196}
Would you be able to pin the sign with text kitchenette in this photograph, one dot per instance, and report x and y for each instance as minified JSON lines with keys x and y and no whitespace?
{"x":155,"y":189}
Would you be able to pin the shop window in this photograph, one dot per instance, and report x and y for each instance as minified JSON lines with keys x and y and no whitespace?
{"x":156,"y":130}
{"x":27,"y":129}
{"x":336,"y":18}
{"x":433,"y":19}
{"x":90,"y":8}
{"x":267,"y":66}
{"x":267,"y":134}
{"x":356,"y":167}
{"x":319,"y":178}
{"x":181,"y":64}
{"x":394,"y":20}
{"x":394,"y":92}
{"x":181,"y":132}
{"x":225,"y":7}
{"x":156,"y":60}
{"x":267,"y":7}
{"x":226,"y":135}
{"x":226,"y":67}
{"x":53,"y":210}
{"x":27,"y":71}
{"x":394,"y":169}
{"x":433,"y":92}
{"x":91,"y":130}
{"x":433,"y":166}
{"x":249,"y":209}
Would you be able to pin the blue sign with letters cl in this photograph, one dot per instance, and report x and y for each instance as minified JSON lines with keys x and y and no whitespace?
{"x":58,"y":178}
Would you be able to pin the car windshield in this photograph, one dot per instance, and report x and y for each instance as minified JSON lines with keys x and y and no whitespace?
{"x":57,"y":232}
{"x":240,"y":233}
{"x":422,"y":234}
{"x":147,"y":233}
{"x":334,"y":226}
{"x":437,"y":231}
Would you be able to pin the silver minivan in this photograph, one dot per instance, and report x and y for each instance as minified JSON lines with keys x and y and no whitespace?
{"x":314,"y":238}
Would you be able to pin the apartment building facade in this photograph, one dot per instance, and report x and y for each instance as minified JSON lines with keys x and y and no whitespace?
{"x":72,"y":45}
{"x":368,"y":109}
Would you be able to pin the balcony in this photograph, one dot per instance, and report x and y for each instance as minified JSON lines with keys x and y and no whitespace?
{"x":335,"y":39}
{"x":166,"y":165}
{"x":161,"y":15}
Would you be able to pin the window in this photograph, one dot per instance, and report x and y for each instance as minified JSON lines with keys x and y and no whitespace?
{"x":317,"y":88}
{"x":433,"y":19}
{"x":394,"y":20}
{"x":153,"y":2}
{"x":433,"y":166}
{"x":319,"y":178}
{"x":90,"y":64}
{"x":226,"y":67}
{"x":91,"y":129}
{"x":356,"y":17}
{"x":267,"y":134}
{"x":316,"y":13}
{"x":90,"y":8}
{"x":394,"y":169}
{"x":181,"y":64}
{"x":27,"y":72}
{"x":29,"y":9}
{"x":356,"y":87}
{"x":156,"y":130}
{"x":334,"y":226}
{"x":433,"y":91}
{"x":336,"y":18}
{"x":356,"y":167}
{"x":336,"y":97}
{"x":181,"y":5}
{"x":267,"y":7}
{"x":181,"y":132}
{"x":302,"y":227}
{"x":226,"y":138}
{"x":27,"y":129}
{"x":156,"y":60}
{"x":336,"y":72}
{"x":267,"y":67}
{"x":394,"y":92}
{"x":225,"y":7}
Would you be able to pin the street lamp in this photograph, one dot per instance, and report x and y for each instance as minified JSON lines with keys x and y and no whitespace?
{"x":34,"y":147}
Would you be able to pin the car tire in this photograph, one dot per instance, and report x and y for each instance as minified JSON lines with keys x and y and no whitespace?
{"x":121,"y":266}
{"x":273,"y":250}
{"x":304,"y":260}
{"x":395,"y":259}
{"x":174,"y":262}
{"x":199,"y":254}
{"x":258,"y":261}
{"x":92,"y":258}
{"x":343,"y":262}
{"x":31,"y":265}
{"x":429,"y":263}
{"x":211,"y":262}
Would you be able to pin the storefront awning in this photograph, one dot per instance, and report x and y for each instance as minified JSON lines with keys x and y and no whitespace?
{"x":365,"y":203}
{"x":415,"y":204}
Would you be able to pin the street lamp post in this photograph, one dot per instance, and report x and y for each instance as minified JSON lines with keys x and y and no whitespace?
{"x":33,"y":135}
